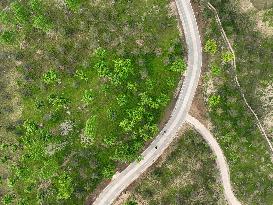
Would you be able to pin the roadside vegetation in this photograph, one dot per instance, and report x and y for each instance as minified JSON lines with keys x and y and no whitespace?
{"x":94,"y":81}
{"x":188,"y":175}
{"x":234,"y":126}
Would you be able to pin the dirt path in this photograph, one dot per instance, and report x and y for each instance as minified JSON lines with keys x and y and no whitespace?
{"x":220,"y":158}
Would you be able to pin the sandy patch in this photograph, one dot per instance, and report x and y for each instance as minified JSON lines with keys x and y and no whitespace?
{"x":263,"y":27}
{"x":12,"y":76}
{"x":246,"y":5}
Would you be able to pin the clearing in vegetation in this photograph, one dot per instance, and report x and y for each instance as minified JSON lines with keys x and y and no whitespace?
{"x":94,"y":81}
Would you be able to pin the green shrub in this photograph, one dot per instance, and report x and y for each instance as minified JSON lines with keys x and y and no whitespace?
{"x":74,"y":5}
{"x":42,"y":22}
{"x":178,"y":66}
{"x":131,"y":203}
{"x":50,"y":77}
{"x":5,"y":18}
{"x":64,"y":186}
{"x":211,"y":46}
{"x":108,"y":172}
{"x":36,"y":5}
{"x":8,"y":199}
{"x":80,"y":74}
{"x":100,"y":53}
{"x":21,"y":13}
{"x":49,"y":169}
{"x":58,"y":101}
{"x":8,"y":37}
{"x":215,"y":70}
{"x":88,"y":96}
{"x":214,"y":100}
{"x":90,"y":126}
{"x":122,"y":69}
{"x":30,"y":127}
{"x":227,"y":56}
{"x":102,"y":69}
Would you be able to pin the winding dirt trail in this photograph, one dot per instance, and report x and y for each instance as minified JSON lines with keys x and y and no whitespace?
{"x":220,"y":158}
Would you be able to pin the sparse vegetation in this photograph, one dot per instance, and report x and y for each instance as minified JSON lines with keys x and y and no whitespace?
{"x":233,"y":124}
{"x":188,"y":175}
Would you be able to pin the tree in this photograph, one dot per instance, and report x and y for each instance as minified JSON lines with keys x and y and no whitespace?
{"x":50,"y":77}
{"x":64,"y":186}
{"x":211,"y":46}
{"x":178,"y":66}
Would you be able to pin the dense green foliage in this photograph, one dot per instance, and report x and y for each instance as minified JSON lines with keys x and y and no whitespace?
{"x":211,"y":46}
{"x":188,"y":175}
{"x":94,"y":81}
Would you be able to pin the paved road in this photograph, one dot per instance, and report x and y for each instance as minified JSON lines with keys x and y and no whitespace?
{"x":220,"y":159}
{"x":178,"y":116}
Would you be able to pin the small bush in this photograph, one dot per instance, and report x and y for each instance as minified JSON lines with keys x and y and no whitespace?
{"x":7,"y":37}
{"x":88,"y":96}
{"x":211,"y":46}
{"x":178,"y":66}
{"x":227,"y":56}
{"x":215,"y":70}
{"x":214,"y":100}
{"x":50,"y":77}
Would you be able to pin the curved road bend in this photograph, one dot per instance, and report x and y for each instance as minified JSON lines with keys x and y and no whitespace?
{"x":122,"y":180}
{"x":220,"y":158}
